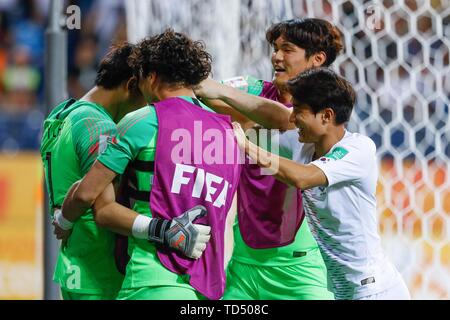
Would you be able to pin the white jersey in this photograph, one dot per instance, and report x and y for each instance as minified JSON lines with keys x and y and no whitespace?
{"x":342,"y":216}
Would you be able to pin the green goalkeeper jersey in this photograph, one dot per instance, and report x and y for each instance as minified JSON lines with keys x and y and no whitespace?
{"x":135,"y":143}
{"x":86,"y":262}
{"x":304,"y":241}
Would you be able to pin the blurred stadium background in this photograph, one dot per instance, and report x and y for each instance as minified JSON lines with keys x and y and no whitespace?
{"x":396,"y":55}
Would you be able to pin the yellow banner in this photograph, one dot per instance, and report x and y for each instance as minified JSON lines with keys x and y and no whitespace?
{"x":21,"y":226}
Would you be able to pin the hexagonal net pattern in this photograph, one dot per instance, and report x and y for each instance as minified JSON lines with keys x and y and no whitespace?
{"x":397,"y":57}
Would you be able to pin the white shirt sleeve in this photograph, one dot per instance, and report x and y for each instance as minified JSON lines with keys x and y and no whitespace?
{"x":351,"y":161}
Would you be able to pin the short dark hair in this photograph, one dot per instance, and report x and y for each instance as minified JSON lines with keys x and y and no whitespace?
{"x":174,"y":57}
{"x":114,"y":68}
{"x":321,"y":88}
{"x":311,"y":34}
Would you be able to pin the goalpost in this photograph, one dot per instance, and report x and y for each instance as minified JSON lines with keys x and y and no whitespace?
{"x":397,"y":56}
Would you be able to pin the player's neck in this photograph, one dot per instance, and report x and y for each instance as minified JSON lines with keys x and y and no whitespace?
{"x":164,"y":92}
{"x":105,"y":98}
{"x":324,"y":145}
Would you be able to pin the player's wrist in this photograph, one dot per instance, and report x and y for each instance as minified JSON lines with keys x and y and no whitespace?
{"x":157,"y":230}
{"x":62,"y":222}
{"x":140,"y":227}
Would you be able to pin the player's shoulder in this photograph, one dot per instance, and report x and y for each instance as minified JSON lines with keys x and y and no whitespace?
{"x":246,"y":83}
{"x":89,"y":119}
{"x":254,"y":81}
{"x":359,"y":141}
{"x":145,"y":116}
{"x":146,"y":112}
{"x":305,"y":152}
{"x":86,"y":109}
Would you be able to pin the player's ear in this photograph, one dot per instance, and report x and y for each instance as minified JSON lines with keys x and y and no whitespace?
{"x":328,"y":115}
{"x":132,"y":84}
{"x":319,"y":59}
{"x":152,"y":78}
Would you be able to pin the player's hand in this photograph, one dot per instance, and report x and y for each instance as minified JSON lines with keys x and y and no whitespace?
{"x":240,"y":136}
{"x":182,"y":234}
{"x":60,"y":233}
{"x":62,"y":227}
{"x":209,"y":89}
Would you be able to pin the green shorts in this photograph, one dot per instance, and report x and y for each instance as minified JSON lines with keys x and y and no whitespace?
{"x":303,"y":281}
{"x":160,"y":293}
{"x":66,"y":295}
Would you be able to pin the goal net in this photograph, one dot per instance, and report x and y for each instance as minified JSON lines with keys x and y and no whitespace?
{"x":397,"y":56}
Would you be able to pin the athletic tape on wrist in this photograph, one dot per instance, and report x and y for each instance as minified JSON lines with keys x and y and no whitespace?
{"x":141,"y":226}
{"x":62,"y":222}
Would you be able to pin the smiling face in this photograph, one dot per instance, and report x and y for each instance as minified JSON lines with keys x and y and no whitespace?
{"x":311,"y":127}
{"x":288,"y":60}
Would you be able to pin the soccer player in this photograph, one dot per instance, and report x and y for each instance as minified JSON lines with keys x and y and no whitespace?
{"x":273,"y":259}
{"x":337,"y":172}
{"x":74,"y":133}
{"x":167,"y":174}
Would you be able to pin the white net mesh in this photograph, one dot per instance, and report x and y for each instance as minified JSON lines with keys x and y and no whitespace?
{"x":397,"y":56}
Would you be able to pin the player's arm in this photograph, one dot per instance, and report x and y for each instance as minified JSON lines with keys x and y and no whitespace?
{"x":81,"y":197}
{"x":290,"y":172}
{"x":221,"y":107}
{"x":268,"y":113}
{"x":62,"y":228}
{"x":180,"y":233}
{"x":83,"y":194}
{"x":111,"y":215}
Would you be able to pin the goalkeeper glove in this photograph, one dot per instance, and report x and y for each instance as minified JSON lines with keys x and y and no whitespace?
{"x":180,"y":233}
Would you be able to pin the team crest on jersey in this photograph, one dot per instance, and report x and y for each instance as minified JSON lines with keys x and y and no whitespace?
{"x":102,"y":144}
{"x":237,"y":82}
{"x":336,"y":154}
